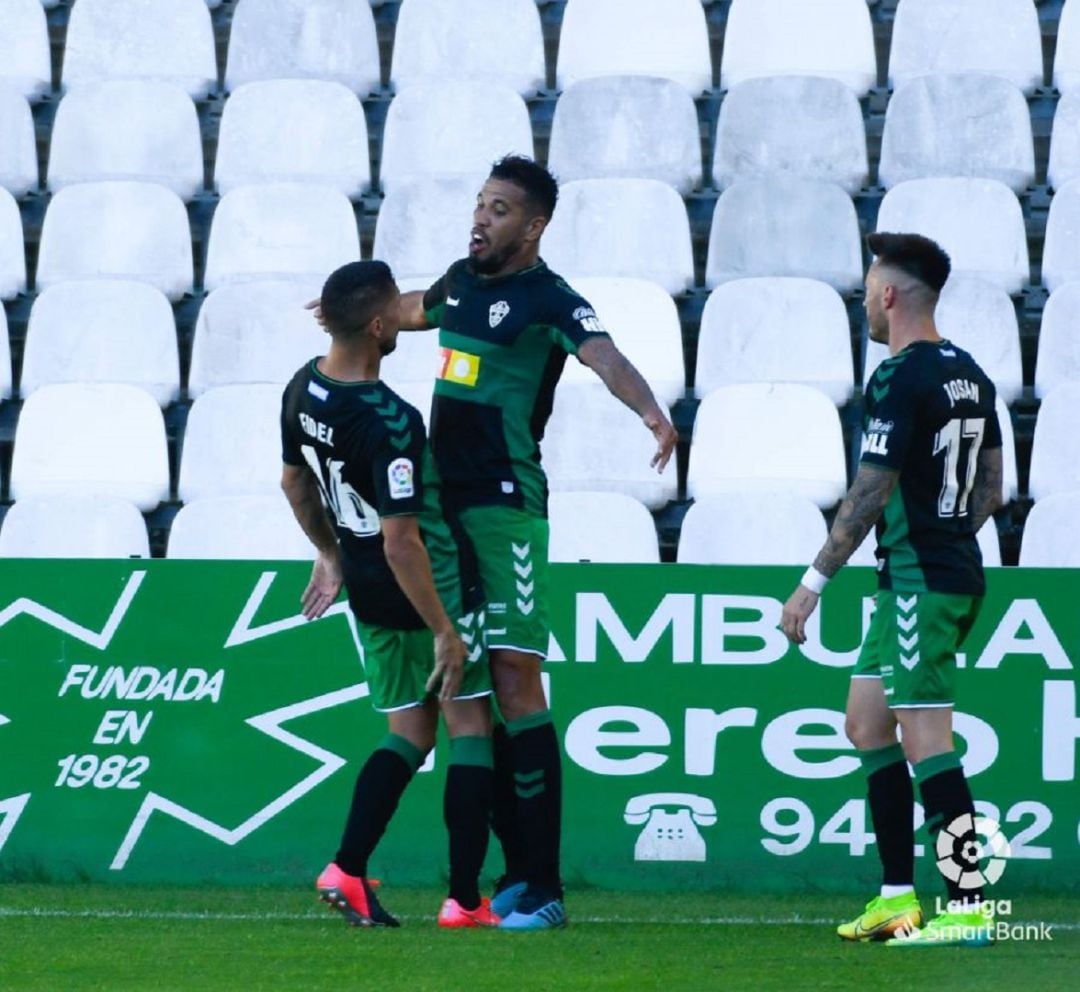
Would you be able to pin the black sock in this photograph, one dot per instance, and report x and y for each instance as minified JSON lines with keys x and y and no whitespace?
{"x":538,"y":790}
{"x":378,"y":790}
{"x":504,"y":818}
{"x":466,"y":809}
{"x":945,"y":796}
{"x":891,"y":799}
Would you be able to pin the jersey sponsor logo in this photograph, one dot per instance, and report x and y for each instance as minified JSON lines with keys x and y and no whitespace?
{"x":879,"y":426}
{"x":453,"y":301}
{"x":458,"y":366}
{"x":590,"y":323}
{"x":497,"y":311}
{"x":318,"y":391}
{"x":876,"y":444}
{"x":400,"y":476}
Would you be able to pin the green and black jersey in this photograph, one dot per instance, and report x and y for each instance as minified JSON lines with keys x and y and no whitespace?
{"x":369,"y":453}
{"x":929,"y":411}
{"x":503,"y":343}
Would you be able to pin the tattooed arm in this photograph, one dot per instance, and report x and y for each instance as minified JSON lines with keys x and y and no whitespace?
{"x":859,"y":511}
{"x":986,"y":495}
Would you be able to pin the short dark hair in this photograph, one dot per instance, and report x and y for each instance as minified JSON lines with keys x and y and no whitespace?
{"x":918,"y":256}
{"x":539,"y":185}
{"x":354,"y":294}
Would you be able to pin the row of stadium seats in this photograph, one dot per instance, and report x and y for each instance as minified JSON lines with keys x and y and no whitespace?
{"x":336,"y":39}
{"x":728,"y":529}
{"x":123,"y":331}
{"x":635,"y":228}
{"x":622,"y":126}
{"x":110,"y":439}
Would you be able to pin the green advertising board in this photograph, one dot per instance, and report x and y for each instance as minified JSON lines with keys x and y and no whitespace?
{"x":167,"y":721}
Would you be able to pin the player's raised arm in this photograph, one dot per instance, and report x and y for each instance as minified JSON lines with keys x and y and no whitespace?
{"x":408,"y":559}
{"x":627,"y":384}
{"x":864,"y":503}
{"x":302,"y":492}
{"x":413,"y":315}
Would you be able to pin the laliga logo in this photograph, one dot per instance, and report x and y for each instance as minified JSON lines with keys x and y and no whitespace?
{"x":959,"y":851}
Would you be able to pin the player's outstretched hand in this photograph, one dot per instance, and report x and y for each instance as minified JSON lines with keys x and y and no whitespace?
{"x":450,"y":654}
{"x":666,"y":437}
{"x":323,"y":589}
{"x":797,"y":610}
{"x":316,"y":305}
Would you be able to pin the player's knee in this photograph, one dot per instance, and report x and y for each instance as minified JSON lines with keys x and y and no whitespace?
{"x":865,"y":734}
{"x":518,"y":688}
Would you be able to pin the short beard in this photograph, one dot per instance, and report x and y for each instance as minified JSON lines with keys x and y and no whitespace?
{"x":385,"y":347}
{"x":490,"y":265}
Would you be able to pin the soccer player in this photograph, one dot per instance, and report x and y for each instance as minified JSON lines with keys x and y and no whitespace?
{"x":929,"y":477}
{"x":352,"y":443}
{"x":506,"y":324}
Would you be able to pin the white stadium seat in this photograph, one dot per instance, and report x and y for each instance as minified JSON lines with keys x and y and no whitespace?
{"x":768,"y":438}
{"x":613,"y":455}
{"x":298,"y":39}
{"x":1064,"y":164}
{"x":751,"y":528}
{"x":601,"y":527}
{"x":127,"y":129}
{"x":423,"y":226}
{"x":5,"y":357}
{"x":490,"y":43}
{"x":1067,"y":52}
{"x":280,"y":229}
{"x":1051,"y":533}
{"x":293,"y":130}
{"x":74,"y":526}
{"x":141,"y":39}
{"x":981,"y":319}
{"x":635,"y":37}
{"x":255,"y":332}
{"x":785,"y":227}
{"x":102,"y":331}
{"x":791,"y":126}
{"x":995,"y":37}
{"x":88,"y":440}
{"x":452,"y":128}
{"x":415,"y":360}
{"x":832,"y":38}
{"x":1055,"y":449}
{"x":775,"y":330}
{"x":1058,"y":360}
{"x":958,"y":125}
{"x":25,"y":65}
{"x":117,"y":230}
{"x":232,"y":443}
{"x":977,"y":221}
{"x":622,"y":227}
{"x":627,"y":127}
{"x":12,"y":254}
{"x":1061,"y":250}
{"x":644,"y":324}
{"x":239,"y":528}
{"x":18,"y":143}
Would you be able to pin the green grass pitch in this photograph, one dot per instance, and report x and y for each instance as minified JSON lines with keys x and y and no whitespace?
{"x":114,"y":939}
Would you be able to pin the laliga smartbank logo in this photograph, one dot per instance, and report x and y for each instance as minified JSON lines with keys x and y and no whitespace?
{"x":973,"y":851}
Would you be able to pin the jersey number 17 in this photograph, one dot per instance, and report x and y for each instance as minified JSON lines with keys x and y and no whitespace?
{"x":960,"y":440}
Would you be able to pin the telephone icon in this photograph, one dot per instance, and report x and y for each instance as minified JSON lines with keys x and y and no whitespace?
{"x":671,"y":821}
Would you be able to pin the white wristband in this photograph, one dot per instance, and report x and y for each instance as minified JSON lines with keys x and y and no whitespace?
{"x":814,"y":580}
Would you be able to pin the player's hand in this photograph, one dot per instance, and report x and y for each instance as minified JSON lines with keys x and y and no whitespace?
{"x":797,"y":610}
{"x":666,"y":437}
{"x":316,"y":305}
{"x":322,"y":591}
{"x":450,"y":654}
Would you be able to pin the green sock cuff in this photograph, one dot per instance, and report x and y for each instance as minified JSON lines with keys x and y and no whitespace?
{"x":515,"y":727}
{"x":880,"y":757}
{"x":404,"y":749}
{"x":935,"y":765}
{"x":475,"y":751}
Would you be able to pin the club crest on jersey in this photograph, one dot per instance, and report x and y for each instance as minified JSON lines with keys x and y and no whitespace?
{"x":497,"y":311}
{"x":400,"y":476}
